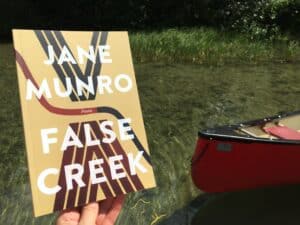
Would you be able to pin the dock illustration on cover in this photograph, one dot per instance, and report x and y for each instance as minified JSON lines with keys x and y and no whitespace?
{"x":83,"y":125}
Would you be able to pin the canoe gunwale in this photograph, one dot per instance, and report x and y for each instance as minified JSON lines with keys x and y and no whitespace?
{"x":224,"y":137}
{"x":228,"y":133}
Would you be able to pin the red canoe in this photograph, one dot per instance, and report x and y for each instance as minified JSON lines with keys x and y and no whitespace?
{"x":254,"y":154}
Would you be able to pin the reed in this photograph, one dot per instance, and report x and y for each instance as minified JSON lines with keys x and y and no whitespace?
{"x":209,"y":46}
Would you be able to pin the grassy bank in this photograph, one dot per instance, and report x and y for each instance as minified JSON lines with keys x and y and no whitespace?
{"x":209,"y":46}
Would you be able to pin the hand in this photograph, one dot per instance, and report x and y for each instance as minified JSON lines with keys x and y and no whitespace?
{"x":96,"y":213}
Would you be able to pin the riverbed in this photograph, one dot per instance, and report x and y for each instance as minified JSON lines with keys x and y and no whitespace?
{"x":177,"y":101}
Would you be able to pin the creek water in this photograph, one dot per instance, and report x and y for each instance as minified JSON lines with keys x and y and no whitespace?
{"x":177,"y":101}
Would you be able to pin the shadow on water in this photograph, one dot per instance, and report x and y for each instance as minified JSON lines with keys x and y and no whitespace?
{"x":269,"y":206}
{"x":185,"y":215}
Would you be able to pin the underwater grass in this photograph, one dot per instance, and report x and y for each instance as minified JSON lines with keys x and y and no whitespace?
{"x":177,"y":100}
{"x":144,"y":207}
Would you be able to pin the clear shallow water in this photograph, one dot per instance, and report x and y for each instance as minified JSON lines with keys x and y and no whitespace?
{"x":177,"y":101}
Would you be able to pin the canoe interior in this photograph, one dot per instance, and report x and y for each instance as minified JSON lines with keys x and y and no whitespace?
{"x":281,"y":128}
{"x":258,"y":131}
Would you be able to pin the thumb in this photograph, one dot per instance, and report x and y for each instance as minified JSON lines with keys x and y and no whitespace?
{"x":89,"y":214}
{"x":114,"y":212}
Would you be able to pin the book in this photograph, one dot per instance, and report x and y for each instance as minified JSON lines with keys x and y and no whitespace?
{"x":82,"y":119}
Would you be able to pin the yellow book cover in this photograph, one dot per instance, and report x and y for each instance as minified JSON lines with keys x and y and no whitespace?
{"x":83,"y":125}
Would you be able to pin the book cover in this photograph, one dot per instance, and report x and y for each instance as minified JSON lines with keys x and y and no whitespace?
{"x":83,"y":124}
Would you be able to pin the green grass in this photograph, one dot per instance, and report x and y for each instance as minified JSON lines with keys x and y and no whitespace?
{"x":177,"y":100}
{"x":209,"y":46}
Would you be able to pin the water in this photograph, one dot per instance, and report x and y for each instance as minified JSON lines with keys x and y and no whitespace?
{"x":177,"y":101}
